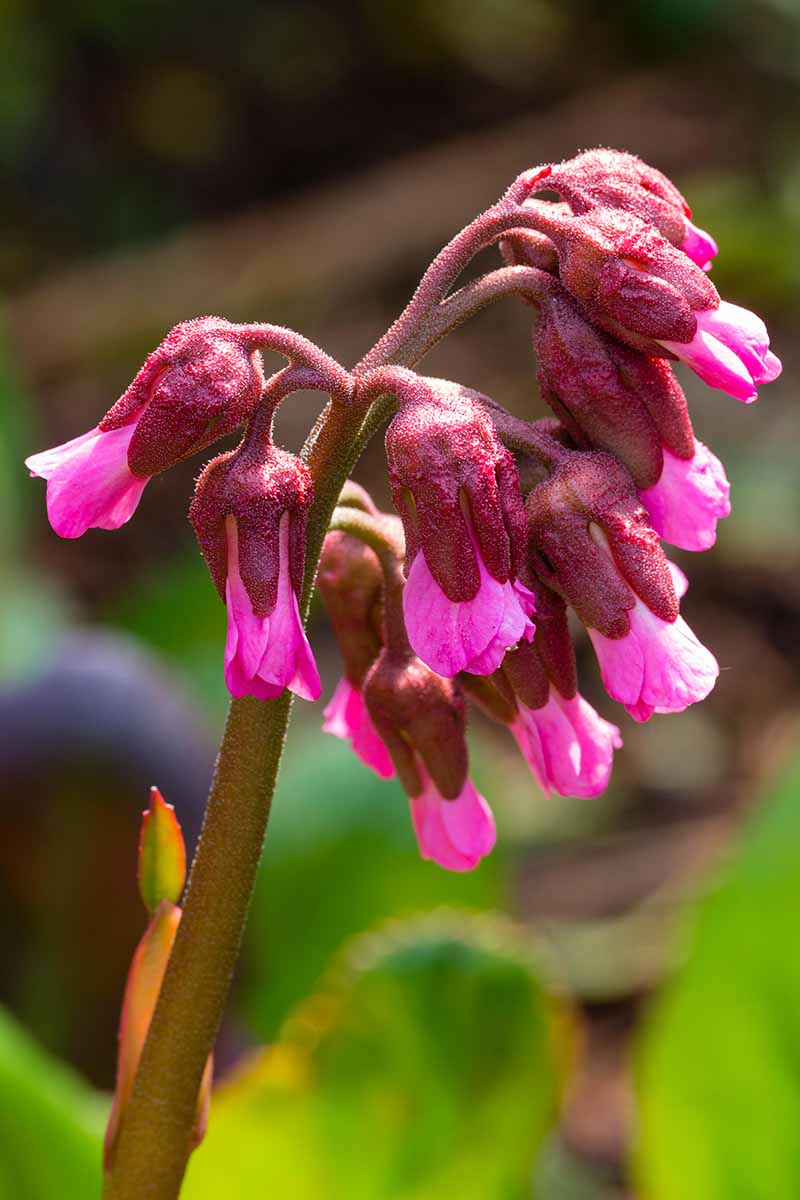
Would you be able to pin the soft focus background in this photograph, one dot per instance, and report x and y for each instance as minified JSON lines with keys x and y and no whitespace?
{"x":609,"y":1006}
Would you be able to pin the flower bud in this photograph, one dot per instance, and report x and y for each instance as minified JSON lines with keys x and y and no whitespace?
{"x":250,"y":513}
{"x":350,"y":582}
{"x":604,"y":178}
{"x":590,"y":382}
{"x":420,"y":717}
{"x":630,"y":279}
{"x":457,"y":491}
{"x":200,"y":384}
{"x":585,"y":494}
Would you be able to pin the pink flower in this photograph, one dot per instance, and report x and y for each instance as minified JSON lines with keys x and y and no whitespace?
{"x":456,"y":834}
{"x":346,"y":717}
{"x":658,"y":666}
{"x":567,"y":745}
{"x":688,"y":499}
{"x":89,"y":483}
{"x":699,"y":245}
{"x":265,"y":654}
{"x":468,"y":635}
{"x":729,"y":351}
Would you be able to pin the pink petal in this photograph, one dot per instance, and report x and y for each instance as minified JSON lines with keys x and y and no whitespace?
{"x":346,"y":717}
{"x":716,"y":365}
{"x":90,"y":485}
{"x":679,"y":580}
{"x":676,"y":669}
{"x":264,"y":655}
{"x":456,"y":834}
{"x":699,"y":245}
{"x":568,"y":746}
{"x":547,"y":739}
{"x":688,"y":499}
{"x":597,"y":738}
{"x":470,"y":635}
{"x":730,"y":351}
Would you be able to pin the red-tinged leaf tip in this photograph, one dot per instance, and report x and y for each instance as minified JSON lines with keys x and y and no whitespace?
{"x":162,"y":854}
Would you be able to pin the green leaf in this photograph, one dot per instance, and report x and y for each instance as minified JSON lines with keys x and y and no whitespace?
{"x":50,"y":1124}
{"x":426,"y":1067}
{"x":719,"y":1063}
{"x":162,"y":854}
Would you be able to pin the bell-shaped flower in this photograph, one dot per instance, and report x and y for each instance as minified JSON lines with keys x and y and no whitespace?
{"x":657,"y":666}
{"x":249,"y":513}
{"x":200,"y":384}
{"x":458,"y":494}
{"x":568,"y":746}
{"x":691,"y":495}
{"x":266,"y":653}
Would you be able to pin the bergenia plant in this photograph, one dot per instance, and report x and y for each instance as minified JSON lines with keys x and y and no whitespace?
{"x":503,"y":525}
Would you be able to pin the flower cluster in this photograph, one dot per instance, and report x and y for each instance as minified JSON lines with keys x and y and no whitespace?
{"x":503,"y":524}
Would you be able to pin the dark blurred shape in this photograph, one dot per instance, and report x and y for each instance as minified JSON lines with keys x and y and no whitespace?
{"x":82,"y":742}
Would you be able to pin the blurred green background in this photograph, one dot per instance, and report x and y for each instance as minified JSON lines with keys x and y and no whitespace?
{"x":607,"y":1008}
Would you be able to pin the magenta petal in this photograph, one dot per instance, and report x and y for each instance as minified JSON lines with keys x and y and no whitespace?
{"x":265,"y":654}
{"x":679,"y":580}
{"x":621,"y":665}
{"x":90,"y":485}
{"x":470,"y":635}
{"x":716,"y":365}
{"x":699,"y":245}
{"x":730,"y":350}
{"x":456,"y":834}
{"x":674,"y":669}
{"x":346,"y":717}
{"x":689,"y":498}
{"x":568,"y":746}
{"x":597,"y":738}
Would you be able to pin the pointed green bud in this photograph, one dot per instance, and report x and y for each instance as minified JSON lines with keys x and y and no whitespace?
{"x":162,"y":854}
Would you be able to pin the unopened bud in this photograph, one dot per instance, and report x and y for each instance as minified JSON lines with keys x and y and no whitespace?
{"x":350,"y":581}
{"x":200,"y":384}
{"x":630,"y":279}
{"x":587,"y":507}
{"x":420,"y":717}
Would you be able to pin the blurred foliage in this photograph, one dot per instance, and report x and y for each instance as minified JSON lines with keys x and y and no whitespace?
{"x":426,"y":1066}
{"x":719,"y":1059}
{"x":340,"y":857}
{"x":50,"y":1124}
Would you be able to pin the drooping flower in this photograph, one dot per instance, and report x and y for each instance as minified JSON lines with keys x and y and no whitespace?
{"x":265,"y":654}
{"x":466,"y":635}
{"x":457,"y":491}
{"x":346,"y":717}
{"x":658,"y":666}
{"x":689,"y":498}
{"x":457,"y":833}
{"x":568,"y":746}
{"x":89,"y":482}
{"x":730,"y":351}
